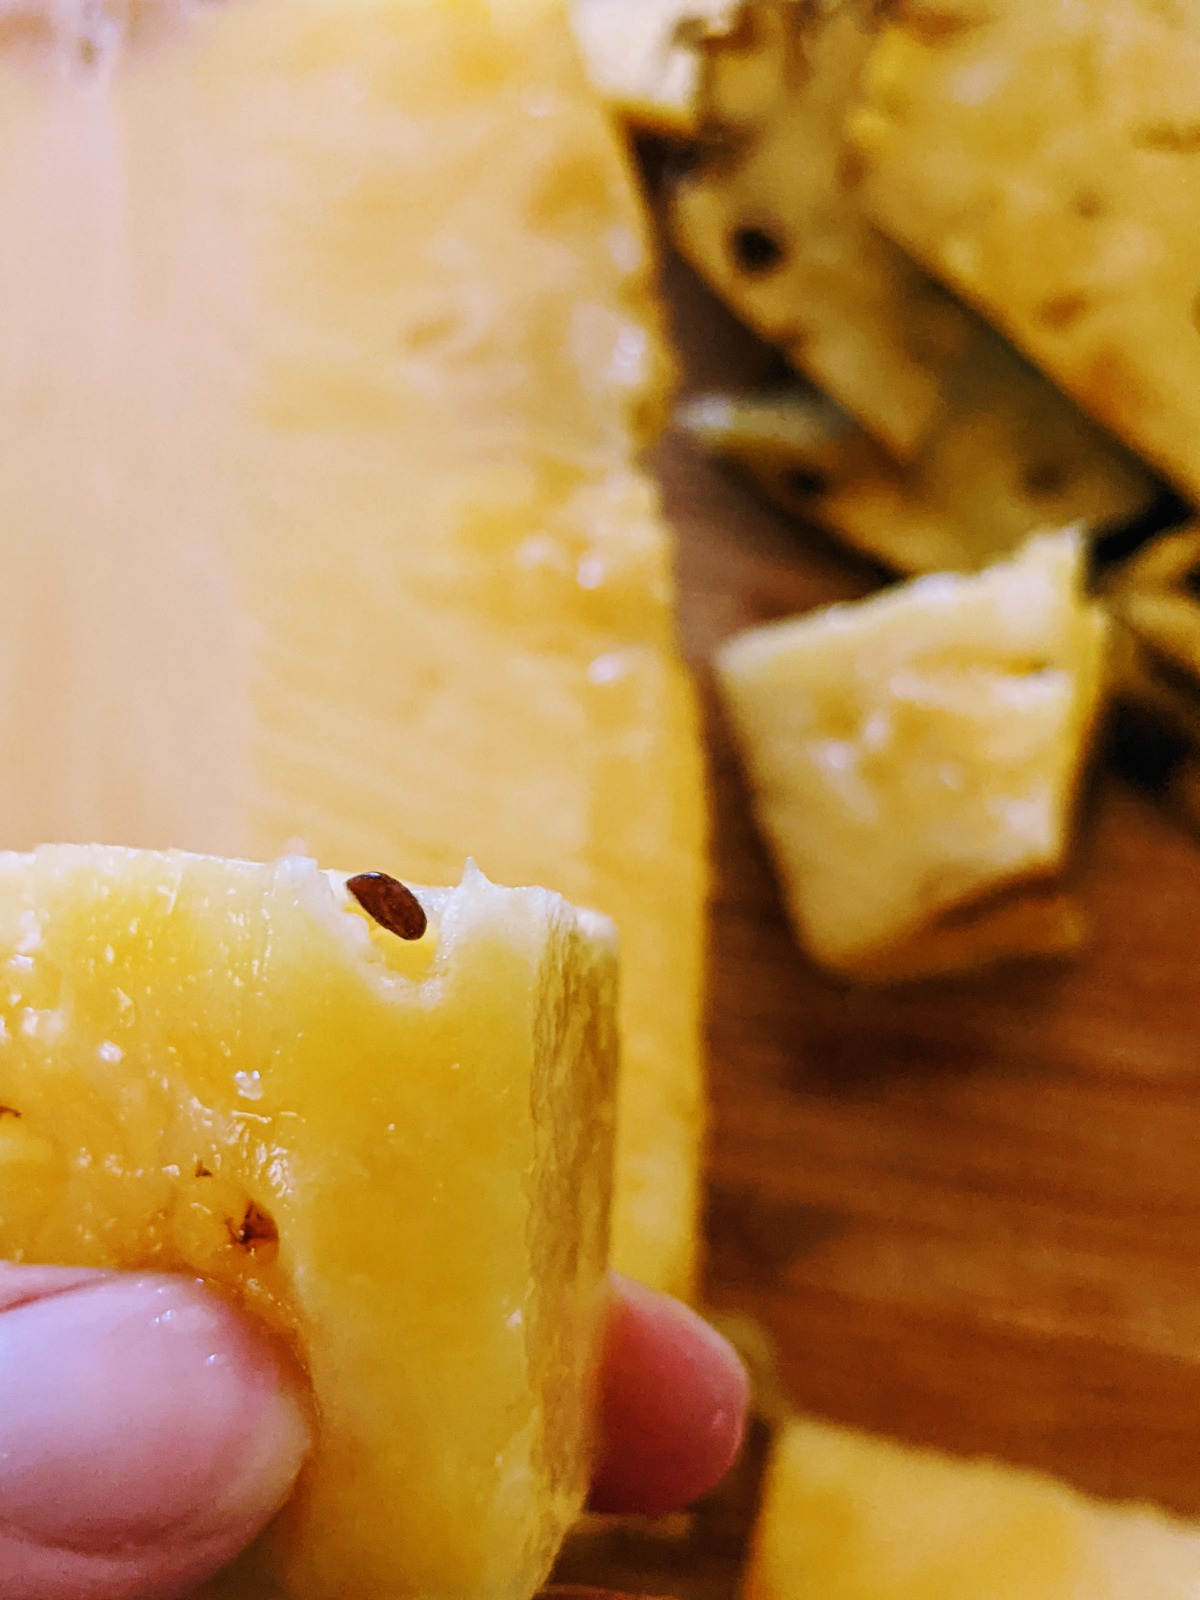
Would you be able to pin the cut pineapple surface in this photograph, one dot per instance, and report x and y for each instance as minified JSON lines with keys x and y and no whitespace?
{"x":326,"y":342}
{"x":914,"y":759}
{"x":850,"y":1517}
{"x":397,"y":1153}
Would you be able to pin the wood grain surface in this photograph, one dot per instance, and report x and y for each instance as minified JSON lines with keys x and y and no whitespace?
{"x":968,"y":1211}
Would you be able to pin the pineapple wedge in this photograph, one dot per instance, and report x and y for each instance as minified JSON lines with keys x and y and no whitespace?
{"x":915,"y":756}
{"x":327,"y":341}
{"x":398,"y":1154}
{"x":849,"y":1517}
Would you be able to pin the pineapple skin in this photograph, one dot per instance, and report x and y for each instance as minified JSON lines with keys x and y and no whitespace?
{"x":332,"y":323}
{"x":846,"y":1516}
{"x":398,"y":1155}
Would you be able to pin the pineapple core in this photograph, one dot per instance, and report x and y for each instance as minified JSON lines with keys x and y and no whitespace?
{"x":327,"y":343}
{"x":915,"y":759}
{"x":397,"y":1153}
{"x":849,"y":1517}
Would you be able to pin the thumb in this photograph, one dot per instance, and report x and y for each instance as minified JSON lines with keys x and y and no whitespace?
{"x":147,"y":1433}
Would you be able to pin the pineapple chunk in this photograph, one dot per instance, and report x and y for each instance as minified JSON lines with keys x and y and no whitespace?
{"x":326,"y":343}
{"x":397,"y":1154}
{"x":849,"y":1517}
{"x":917,"y":754}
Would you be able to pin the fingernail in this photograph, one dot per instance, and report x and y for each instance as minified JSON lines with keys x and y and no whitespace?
{"x":138,"y":1411}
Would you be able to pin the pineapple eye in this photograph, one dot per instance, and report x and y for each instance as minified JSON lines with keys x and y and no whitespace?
{"x":807,"y":482}
{"x":1043,"y":479}
{"x":232,"y":1212}
{"x":756,"y":251}
{"x":254,"y":1230}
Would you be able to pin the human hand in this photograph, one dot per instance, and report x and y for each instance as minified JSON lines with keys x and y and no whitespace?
{"x":148,"y":1431}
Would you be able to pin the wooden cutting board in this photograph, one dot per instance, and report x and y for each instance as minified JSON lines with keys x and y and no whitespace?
{"x":968,"y":1211}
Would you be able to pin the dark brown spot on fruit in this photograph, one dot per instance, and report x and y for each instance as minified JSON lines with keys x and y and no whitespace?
{"x":1114,"y":389}
{"x":851,"y":167}
{"x":8,"y":1111}
{"x":807,"y":482}
{"x":929,"y":24}
{"x":1061,"y":310}
{"x":756,"y":251}
{"x":254,"y":1229}
{"x":1170,"y":138}
{"x":1088,"y":205}
{"x":745,"y":33}
{"x":574,"y":1591}
{"x":202,"y":1171}
{"x":1043,"y":479}
{"x":583,"y":1592}
{"x":390,"y":903}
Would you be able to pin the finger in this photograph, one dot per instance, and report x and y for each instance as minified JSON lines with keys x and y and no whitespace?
{"x":673,"y":1405}
{"x":147,"y":1433}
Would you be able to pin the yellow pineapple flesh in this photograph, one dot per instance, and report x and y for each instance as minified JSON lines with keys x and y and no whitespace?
{"x":1035,"y":156}
{"x":915,"y":758}
{"x":327,"y":341}
{"x":849,"y":1517}
{"x":397,"y":1153}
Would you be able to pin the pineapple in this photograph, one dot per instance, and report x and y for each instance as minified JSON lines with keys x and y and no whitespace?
{"x":327,"y":342}
{"x":915,"y":758}
{"x":1035,"y":156}
{"x":849,"y":1517}
{"x":396,"y":1153}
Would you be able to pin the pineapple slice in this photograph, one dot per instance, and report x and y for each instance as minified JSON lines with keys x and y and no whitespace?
{"x":850,"y":1517}
{"x":915,"y":756}
{"x":397,"y":1154}
{"x":326,"y":343}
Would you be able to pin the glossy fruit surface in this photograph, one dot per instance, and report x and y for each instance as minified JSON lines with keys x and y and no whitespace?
{"x":396,"y":1152}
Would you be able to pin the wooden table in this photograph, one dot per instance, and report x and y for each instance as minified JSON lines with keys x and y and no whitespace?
{"x":968,"y":1211}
